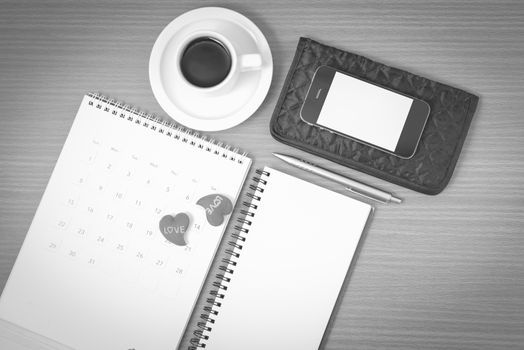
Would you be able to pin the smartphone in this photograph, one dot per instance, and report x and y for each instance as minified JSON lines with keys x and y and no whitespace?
{"x":365,"y":112}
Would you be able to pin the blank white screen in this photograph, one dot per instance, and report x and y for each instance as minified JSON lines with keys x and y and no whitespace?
{"x":365,"y":111}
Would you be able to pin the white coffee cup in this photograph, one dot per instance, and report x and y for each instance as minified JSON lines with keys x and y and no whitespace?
{"x":239,"y":62}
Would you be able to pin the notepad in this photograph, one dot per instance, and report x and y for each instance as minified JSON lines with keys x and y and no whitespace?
{"x":285,"y":270}
{"x":95,"y":271}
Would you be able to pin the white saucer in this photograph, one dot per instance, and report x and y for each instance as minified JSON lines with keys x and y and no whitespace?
{"x":217,"y":111}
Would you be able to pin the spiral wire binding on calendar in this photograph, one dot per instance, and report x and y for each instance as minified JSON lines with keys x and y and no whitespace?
{"x":236,"y":243}
{"x":154,"y":123}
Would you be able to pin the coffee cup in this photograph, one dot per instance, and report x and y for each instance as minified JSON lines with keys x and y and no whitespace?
{"x":208,"y":63}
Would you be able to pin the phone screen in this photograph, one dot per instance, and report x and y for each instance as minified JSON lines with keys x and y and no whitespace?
{"x":365,"y":111}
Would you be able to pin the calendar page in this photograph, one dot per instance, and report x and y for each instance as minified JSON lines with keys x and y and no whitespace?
{"x":95,"y":270}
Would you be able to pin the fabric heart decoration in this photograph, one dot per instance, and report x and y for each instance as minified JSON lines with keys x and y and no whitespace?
{"x":217,"y":206}
{"x":174,"y":228}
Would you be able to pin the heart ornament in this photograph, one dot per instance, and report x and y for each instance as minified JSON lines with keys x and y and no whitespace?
{"x":217,"y":206}
{"x":174,"y":228}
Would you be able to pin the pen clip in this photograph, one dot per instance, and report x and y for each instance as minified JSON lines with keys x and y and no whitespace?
{"x":364,"y":195}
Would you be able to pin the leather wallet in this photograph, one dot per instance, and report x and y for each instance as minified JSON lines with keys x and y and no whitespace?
{"x":432,"y":165}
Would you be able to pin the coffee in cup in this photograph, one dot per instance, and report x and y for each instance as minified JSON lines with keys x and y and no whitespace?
{"x":208,"y":62}
{"x":205,"y":62}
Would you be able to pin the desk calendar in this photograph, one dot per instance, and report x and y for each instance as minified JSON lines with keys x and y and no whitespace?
{"x":94,"y":271}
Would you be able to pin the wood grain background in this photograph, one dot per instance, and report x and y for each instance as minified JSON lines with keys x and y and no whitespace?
{"x":443,"y":272}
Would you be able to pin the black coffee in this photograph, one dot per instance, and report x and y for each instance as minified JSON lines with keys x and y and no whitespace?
{"x":206,"y":62}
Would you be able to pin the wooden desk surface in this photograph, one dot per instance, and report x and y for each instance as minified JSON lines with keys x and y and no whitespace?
{"x":444,"y":272}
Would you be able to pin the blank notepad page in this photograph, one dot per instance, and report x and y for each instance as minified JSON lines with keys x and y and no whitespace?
{"x":291,"y":267}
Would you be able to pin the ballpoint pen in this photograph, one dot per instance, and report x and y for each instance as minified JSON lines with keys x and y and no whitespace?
{"x":351,"y":185}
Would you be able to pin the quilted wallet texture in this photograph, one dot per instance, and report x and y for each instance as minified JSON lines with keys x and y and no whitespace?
{"x":428,"y":171}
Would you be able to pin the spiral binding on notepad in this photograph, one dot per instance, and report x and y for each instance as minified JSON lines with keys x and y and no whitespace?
{"x":167,"y":128}
{"x":227,"y":268}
